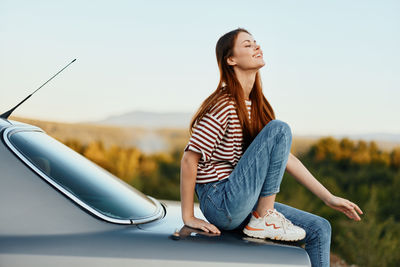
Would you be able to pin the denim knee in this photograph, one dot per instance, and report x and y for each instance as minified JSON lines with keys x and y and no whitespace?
{"x":323,"y":228}
{"x":282,"y":126}
{"x":327,"y":228}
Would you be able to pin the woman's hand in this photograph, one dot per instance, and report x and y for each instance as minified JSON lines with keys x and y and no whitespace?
{"x":349,"y":208}
{"x":201,"y":224}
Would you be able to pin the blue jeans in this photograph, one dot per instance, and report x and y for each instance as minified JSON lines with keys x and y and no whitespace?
{"x":228,"y":203}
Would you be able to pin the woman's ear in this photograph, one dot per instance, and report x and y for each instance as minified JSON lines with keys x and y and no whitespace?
{"x":230,"y":61}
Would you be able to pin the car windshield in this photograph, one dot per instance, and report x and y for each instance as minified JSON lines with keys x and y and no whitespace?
{"x":88,"y":182}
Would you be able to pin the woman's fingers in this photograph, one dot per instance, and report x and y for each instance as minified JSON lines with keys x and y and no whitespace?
{"x":351,"y":215}
{"x":354,"y":209}
{"x":208,"y":227}
{"x":355,"y":215}
{"x":349,"y":208}
{"x":358,"y":209}
{"x":214,"y":229}
{"x":202,"y":225}
{"x":204,"y":229}
{"x":347,"y":213}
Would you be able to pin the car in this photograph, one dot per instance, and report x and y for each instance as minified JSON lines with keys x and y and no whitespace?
{"x":60,"y":209}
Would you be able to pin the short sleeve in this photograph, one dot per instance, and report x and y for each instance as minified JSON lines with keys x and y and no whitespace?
{"x":206,"y":135}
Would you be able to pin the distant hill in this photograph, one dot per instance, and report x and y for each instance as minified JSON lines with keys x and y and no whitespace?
{"x":146,"y":139}
{"x":161,"y":136}
{"x":149,"y":119}
{"x":155,"y":120}
{"x":374,"y":136}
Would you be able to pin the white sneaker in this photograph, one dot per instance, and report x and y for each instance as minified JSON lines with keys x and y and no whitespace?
{"x":274,"y":226}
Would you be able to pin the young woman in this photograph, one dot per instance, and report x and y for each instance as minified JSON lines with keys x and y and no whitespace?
{"x":237,"y":155}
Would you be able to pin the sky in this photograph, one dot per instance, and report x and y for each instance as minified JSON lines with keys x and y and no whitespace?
{"x":332,"y":67}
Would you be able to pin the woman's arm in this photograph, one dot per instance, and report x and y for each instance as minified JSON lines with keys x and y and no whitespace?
{"x":295,"y":168}
{"x":188,"y":181}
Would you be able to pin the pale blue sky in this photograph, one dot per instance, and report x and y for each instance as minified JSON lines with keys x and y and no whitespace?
{"x":331,"y":66}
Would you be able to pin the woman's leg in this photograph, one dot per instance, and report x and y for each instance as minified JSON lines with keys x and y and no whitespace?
{"x":258,"y":173}
{"x":318,"y":233}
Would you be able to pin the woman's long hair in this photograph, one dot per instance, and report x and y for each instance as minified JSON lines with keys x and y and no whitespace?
{"x":261,"y":110}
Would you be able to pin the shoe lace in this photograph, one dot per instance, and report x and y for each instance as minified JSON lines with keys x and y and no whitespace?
{"x":285,"y":222}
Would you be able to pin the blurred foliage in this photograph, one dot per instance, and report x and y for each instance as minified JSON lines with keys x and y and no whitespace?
{"x":358,"y":171}
{"x":364,"y":174}
{"x":371,"y":242}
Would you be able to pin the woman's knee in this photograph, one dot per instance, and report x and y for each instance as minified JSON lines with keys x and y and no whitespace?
{"x":324,"y":228}
{"x":282,"y":126}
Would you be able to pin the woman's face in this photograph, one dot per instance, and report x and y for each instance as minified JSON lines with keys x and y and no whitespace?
{"x":247,"y":54}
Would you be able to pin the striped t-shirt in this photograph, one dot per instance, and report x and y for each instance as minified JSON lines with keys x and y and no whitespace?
{"x":218,"y":138}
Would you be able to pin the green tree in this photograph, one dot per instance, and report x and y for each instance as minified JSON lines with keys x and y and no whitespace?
{"x":370,"y":242}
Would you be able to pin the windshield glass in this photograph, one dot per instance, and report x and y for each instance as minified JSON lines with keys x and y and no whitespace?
{"x":87,"y":181}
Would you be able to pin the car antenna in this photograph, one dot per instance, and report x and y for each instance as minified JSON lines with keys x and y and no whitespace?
{"x":7,"y":114}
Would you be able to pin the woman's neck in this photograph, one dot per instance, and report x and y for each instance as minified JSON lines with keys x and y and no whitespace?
{"x":246,"y":80}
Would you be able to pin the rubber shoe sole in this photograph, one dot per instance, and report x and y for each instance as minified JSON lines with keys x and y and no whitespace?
{"x":262,"y":235}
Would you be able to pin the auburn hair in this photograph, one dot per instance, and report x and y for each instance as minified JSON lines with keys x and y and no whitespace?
{"x":261,"y":110}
